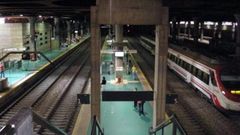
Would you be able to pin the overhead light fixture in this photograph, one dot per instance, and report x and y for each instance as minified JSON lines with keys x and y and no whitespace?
{"x":2,"y":20}
{"x":21,"y":15}
{"x":40,"y":16}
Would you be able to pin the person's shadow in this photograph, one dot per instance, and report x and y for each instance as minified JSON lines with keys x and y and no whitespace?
{"x":145,"y":117}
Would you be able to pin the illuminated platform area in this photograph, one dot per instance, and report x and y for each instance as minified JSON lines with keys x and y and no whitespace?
{"x":121,"y":117}
{"x":17,"y":71}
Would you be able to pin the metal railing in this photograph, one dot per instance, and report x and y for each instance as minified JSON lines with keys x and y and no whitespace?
{"x":173,"y":127}
{"x":96,"y":129}
{"x":21,"y":52}
{"x":7,"y":130}
{"x":18,"y":122}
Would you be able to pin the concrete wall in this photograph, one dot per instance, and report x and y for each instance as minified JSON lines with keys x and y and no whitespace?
{"x":43,"y":34}
{"x":17,"y":35}
{"x":11,"y":35}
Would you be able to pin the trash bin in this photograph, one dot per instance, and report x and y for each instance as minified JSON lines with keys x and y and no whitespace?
{"x":3,"y":83}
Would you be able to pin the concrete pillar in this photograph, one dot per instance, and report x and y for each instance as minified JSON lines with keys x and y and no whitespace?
{"x":233,"y":30}
{"x":33,"y":46}
{"x":174,"y":30}
{"x":238,"y":35}
{"x":219,"y":30}
{"x":185,"y":28}
{"x":160,"y":72}
{"x":81,"y":29}
{"x":189,"y":29}
{"x":196,"y":30}
{"x":95,"y":64}
{"x":119,"y":33}
{"x":214,"y":30}
{"x":57,"y":30}
{"x":178,"y":28}
{"x":69,"y":32}
{"x":202,"y":31}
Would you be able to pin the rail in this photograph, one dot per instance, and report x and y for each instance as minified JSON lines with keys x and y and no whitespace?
{"x":96,"y":129}
{"x":177,"y":129}
{"x":39,"y":120}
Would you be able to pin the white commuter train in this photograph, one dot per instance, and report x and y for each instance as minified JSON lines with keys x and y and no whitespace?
{"x":220,"y":83}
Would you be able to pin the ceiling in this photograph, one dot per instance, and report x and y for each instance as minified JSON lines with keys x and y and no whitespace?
{"x":216,"y":10}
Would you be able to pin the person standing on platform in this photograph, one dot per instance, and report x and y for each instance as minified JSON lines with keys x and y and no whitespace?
{"x":2,"y":70}
{"x":104,"y":81}
{"x":111,"y":68}
{"x":135,"y":101}
{"x":134,"y":72}
{"x":141,"y":107}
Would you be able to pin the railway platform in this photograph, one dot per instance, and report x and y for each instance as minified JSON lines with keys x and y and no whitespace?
{"x":119,"y":117}
{"x":16,"y":76}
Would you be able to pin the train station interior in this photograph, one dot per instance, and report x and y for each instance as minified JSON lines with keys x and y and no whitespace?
{"x":119,"y":67}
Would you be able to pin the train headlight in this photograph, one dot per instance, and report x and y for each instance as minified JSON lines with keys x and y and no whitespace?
{"x":237,"y":92}
{"x":223,"y":92}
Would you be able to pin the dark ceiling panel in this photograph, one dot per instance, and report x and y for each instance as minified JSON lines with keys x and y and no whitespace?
{"x":183,"y":9}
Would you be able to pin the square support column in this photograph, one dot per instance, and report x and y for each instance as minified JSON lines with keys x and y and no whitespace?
{"x":95,"y":64}
{"x":32,"y":21}
{"x":160,"y":74}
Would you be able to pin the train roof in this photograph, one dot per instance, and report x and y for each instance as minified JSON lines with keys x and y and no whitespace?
{"x":205,"y":60}
{"x":210,"y":62}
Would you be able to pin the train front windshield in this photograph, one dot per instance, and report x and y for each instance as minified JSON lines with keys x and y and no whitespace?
{"x":230,"y":77}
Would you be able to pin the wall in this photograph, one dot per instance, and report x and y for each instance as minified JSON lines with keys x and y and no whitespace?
{"x":11,"y":35}
{"x":17,"y":35}
{"x":42,"y":31}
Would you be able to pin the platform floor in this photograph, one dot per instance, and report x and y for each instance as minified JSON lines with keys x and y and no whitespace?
{"x":121,"y":118}
{"x":14,"y":75}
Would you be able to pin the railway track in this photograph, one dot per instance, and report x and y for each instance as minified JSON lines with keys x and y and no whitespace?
{"x":197,"y":116}
{"x":54,"y":98}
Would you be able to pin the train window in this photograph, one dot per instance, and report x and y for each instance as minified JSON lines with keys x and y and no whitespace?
{"x":176,"y":60}
{"x":170,"y":56}
{"x":187,"y":66}
{"x":180,"y":63}
{"x":195,"y":71}
{"x":205,"y":78}
{"x":191,"y":69}
{"x":213,"y":79}
{"x":183,"y":64}
{"x":200,"y":74}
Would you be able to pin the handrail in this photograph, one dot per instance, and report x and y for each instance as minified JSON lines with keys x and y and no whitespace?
{"x":6,"y":129}
{"x":39,"y":120}
{"x":20,"y":52}
{"x":176,"y":124}
{"x":95,"y":126}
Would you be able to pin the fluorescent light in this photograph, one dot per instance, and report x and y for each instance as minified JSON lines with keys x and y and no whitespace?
{"x":119,"y":54}
{"x":227,"y":23}
{"x":182,"y":22}
{"x":2,"y":20}
{"x":208,"y":23}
